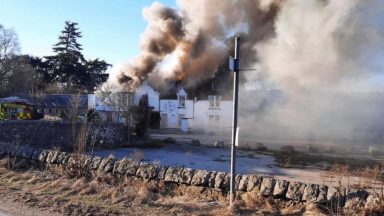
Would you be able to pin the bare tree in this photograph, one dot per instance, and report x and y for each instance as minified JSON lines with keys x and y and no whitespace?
{"x":120,"y":102}
{"x":9,"y":44}
{"x":17,"y":75}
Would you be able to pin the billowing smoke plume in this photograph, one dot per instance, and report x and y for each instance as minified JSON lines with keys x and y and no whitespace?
{"x":300,"y":43}
{"x":316,"y":52}
{"x":326,"y":59}
{"x":189,"y":44}
{"x":325,"y":44}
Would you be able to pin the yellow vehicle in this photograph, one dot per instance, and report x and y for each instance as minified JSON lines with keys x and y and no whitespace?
{"x":15,"y":108}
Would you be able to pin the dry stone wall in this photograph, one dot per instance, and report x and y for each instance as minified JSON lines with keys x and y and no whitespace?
{"x":267,"y":186}
{"x":58,"y":134}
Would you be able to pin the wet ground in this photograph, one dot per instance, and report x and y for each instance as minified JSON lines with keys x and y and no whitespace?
{"x":300,"y":165}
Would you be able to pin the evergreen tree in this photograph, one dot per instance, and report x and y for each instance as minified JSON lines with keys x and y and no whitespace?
{"x":69,"y":67}
{"x":68,"y":41}
{"x":95,"y":72}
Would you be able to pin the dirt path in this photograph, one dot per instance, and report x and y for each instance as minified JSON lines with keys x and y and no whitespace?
{"x":10,"y":207}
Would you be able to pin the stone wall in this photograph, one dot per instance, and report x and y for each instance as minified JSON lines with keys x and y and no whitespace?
{"x":59,"y":134}
{"x":267,"y":186}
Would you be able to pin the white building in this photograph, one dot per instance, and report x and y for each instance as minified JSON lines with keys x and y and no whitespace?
{"x":209,"y":114}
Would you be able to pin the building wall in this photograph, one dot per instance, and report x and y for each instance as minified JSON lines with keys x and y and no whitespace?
{"x":203,"y":121}
{"x":200,"y":116}
{"x":169,"y":113}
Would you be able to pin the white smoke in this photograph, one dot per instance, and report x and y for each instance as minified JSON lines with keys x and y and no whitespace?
{"x":325,"y":44}
{"x":314,"y":51}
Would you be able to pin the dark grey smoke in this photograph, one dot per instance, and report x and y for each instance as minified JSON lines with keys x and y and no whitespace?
{"x":189,"y":45}
{"x":320,"y":55}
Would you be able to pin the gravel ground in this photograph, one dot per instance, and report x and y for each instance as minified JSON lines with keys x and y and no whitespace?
{"x":10,"y":207}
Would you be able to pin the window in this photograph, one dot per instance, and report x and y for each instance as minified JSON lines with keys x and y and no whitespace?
{"x":214,"y":101}
{"x":182,"y":101}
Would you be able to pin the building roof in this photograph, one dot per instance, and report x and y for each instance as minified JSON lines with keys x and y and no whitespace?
{"x":64,"y":101}
{"x":15,"y":100}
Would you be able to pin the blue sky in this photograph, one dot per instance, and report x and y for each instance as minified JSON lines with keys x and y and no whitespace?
{"x":111,"y":28}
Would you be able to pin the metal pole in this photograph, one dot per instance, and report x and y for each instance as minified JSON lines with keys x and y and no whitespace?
{"x":234,"y":120}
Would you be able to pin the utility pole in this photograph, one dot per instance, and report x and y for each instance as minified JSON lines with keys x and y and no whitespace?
{"x":234,"y":65}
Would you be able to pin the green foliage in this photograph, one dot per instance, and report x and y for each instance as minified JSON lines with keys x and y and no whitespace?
{"x":68,"y":41}
{"x":69,"y":67}
{"x":17,"y":75}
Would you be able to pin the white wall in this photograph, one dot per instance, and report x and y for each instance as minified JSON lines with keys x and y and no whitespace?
{"x":202,"y":112}
{"x":170,"y":109}
{"x":198,"y":114}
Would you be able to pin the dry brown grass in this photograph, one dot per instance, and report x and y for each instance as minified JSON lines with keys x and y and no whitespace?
{"x":106,"y":194}
{"x":370,"y":179}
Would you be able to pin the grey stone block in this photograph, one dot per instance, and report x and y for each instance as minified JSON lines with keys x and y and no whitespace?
{"x":103,"y":162}
{"x":355,"y":198}
{"x":120,"y":166}
{"x":66,"y":158}
{"x":281,"y":188}
{"x":131,"y":167}
{"x":254,"y":182}
{"x":267,"y":186}
{"x":95,"y":163}
{"x":311,"y":193}
{"x":115,"y":166}
{"x":200,"y":178}
{"x":335,"y":196}
{"x":237,"y":180}
{"x":60,"y":157}
{"x":50,"y":156}
{"x":211,"y":179}
{"x":323,"y":191}
{"x":243,"y":183}
{"x":88,"y":161}
{"x":219,"y":179}
{"x":54,"y":157}
{"x":186,"y":176}
{"x":226,"y":182}
{"x":173,"y":174}
{"x":162,"y":171}
{"x":295,"y":191}
{"x":148,"y":171}
{"x":109,"y":165}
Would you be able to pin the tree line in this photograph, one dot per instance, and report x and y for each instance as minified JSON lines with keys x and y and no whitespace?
{"x":66,"y":71}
